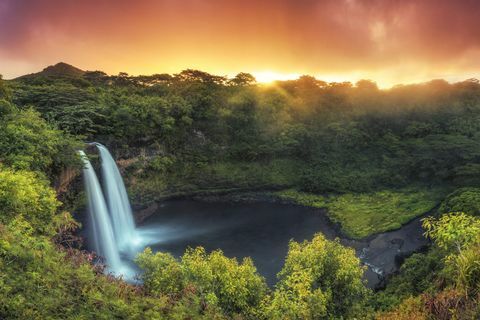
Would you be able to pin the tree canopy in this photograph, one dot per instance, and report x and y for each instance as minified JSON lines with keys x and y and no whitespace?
{"x":195,"y":132}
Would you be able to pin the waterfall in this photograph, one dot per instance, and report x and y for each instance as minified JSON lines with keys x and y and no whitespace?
{"x":103,"y":236}
{"x":118,"y":203}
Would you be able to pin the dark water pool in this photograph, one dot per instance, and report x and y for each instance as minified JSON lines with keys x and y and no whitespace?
{"x":257,"y":230}
{"x":263,"y":230}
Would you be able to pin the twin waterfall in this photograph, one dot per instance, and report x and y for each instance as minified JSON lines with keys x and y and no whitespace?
{"x":111,"y":221}
{"x":117,"y":200}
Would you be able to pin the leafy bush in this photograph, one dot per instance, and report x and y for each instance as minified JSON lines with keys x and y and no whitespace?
{"x":23,"y":193}
{"x":459,"y":236}
{"x":454,"y":289}
{"x":39,"y":281}
{"x":462,"y":200}
{"x":321,"y":279}
{"x":217,"y":280}
{"x":28,"y":142}
{"x":417,"y":275}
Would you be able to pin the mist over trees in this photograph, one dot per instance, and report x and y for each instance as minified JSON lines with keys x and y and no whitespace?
{"x":348,"y":137}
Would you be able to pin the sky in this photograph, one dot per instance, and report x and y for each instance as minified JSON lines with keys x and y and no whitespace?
{"x":388,"y":41}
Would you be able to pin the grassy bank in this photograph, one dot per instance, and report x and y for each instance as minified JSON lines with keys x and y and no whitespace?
{"x":363,"y":214}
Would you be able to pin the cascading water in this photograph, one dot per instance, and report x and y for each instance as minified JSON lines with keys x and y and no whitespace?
{"x":118,"y":203}
{"x":103,"y":236}
{"x":113,"y":231}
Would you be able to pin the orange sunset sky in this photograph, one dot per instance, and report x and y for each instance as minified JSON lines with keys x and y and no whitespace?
{"x":387,"y":41}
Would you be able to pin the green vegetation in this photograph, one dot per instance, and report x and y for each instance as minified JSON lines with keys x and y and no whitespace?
{"x":321,"y":279}
{"x":363,"y":214}
{"x":464,"y":199}
{"x":331,"y":137}
{"x":39,"y":281}
{"x":373,"y":158}
{"x":150,"y":184}
{"x":194,"y":132}
{"x":24,"y":194}
{"x":220,"y":282}
{"x":445,"y":283}
{"x":28,"y":142}
{"x":417,"y":276}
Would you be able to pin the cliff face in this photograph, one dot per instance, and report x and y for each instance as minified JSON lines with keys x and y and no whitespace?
{"x":64,"y":180}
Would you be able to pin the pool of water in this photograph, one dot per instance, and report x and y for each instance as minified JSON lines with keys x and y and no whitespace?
{"x":257,"y":230}
{"x":263,"y":230}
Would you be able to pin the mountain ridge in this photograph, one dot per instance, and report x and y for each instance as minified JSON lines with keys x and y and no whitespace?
{"x":60,"y":69}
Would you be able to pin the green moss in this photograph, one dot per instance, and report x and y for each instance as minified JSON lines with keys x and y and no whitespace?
{"x":303,"y":198}
{"x":363,"y":214}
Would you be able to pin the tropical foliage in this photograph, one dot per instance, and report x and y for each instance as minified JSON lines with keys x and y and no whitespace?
{"x":374,"y":158}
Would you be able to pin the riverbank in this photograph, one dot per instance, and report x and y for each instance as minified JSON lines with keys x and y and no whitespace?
{"x":363,"y":214}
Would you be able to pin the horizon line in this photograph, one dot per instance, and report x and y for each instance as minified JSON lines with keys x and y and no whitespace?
{"x":266,"y":77}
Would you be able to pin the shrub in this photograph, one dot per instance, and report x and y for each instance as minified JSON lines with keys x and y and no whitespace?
{"x":218,"y":281}
{"x":320,"y":279}
{"x":23,"y":193}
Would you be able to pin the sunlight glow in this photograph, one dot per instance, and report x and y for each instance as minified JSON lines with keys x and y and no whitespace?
{"x":270,"y":76}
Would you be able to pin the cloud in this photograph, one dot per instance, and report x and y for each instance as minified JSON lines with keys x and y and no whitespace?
{"x":289,"y":36}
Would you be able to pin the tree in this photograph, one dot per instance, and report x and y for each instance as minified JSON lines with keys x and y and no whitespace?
{"x":243,"y":79}
{"x":220,"y":282}
{"x":366,"y":85}
{"x":453,"y":232}
{"x":23,"y":193}
{"x":462,"y":200}
{"x":6,"y":106}
{"x":459,"y":236}
{"x":95,"y":77}
{"x":191,"y":75}
{"x":5,"y":92}
{"x":163,"y":274}
{"x":28,"y":142}
{"x":321,"y":279}
{"x":306,"y":83}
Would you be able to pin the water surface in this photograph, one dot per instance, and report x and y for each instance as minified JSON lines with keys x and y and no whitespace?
{"x":262,"y":231}
{"x":257,"y":230}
